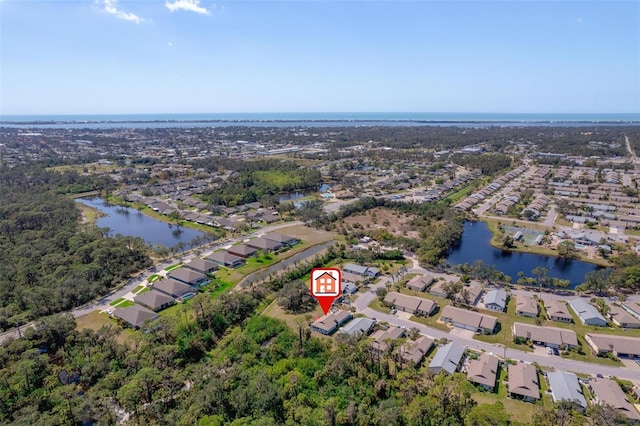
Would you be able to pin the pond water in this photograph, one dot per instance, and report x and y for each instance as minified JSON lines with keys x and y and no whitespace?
{"x":127,"y":221}
{"x":475,"y":245}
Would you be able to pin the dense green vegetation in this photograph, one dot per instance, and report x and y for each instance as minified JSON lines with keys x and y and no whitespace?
{"x":489,"y":164}
{"x":49,"y":261}
{"x":258,"y":181}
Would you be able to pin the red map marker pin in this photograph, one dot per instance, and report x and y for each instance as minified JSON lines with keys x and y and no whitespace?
{"x":326,"y":286}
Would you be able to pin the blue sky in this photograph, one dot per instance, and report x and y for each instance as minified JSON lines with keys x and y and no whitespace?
{"x":148,"y":56}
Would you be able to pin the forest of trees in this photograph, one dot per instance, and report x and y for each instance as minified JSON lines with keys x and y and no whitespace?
{"x":50,"y":262}
{"x":254,"y":180}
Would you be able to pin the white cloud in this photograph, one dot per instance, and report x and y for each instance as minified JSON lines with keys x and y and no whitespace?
{"x":188,"y":5}
{"x":111,"y":7}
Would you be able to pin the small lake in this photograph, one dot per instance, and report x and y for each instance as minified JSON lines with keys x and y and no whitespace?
{"x":127,"y":221}
{"x":475,"y":245}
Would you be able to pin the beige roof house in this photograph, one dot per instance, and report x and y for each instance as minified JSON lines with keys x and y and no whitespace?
{"x":412,"y":304}
{"x":523,"y":381}
{"x":483,"y":371}
{"x":469,"y":320}
{"x":526,"y":306}
{"x":607,"y":391}
{"x":623,"y":318}
{"x":556,"y":310}
{"x":414,"y":351}
{"x":549,"y":336}
{"x":620,"y":346}
{"x":382,"y":338}
{"x":420,"y":282}
{"x":327,"y":324}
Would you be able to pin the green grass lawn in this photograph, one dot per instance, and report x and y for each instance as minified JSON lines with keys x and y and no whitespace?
{"x":518,"y":410}
{"x":172,"y":267}
{"x":459,"y":194}
{"x":121,"y":303}
{"x":379,"y":306}
{"x":153,"y":278}
{"x":141,"y":289}
{"x":506,"y":320}
{"x":253,"y":264}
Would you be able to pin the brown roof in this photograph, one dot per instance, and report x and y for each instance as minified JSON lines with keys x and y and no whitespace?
{"x":415,"y":350}
{"x":483,"y":370}
{"x":412,"y":303}
{"x":608,"y":392}
{"x":420,"y":282}
{"x":622,"y":316}
{"x":556,"y":308}
{"x":153,"y":299}
{"x":553,"y":335}
{"x":473,"y":319}
{"x":135,"y":315}
{"x":617,"y":344}
{"x":382,"y":337}
{"x":332,"y":320}
{"x":523,"y":380}
{"x":525,"y":303}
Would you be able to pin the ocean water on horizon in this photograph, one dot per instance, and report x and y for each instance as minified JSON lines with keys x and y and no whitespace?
{"x":309,"y":119}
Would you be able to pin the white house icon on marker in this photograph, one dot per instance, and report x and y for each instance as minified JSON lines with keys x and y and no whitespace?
{"x":325,"y":283}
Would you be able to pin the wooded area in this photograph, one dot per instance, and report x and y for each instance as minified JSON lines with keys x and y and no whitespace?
{"x":50,"y":262}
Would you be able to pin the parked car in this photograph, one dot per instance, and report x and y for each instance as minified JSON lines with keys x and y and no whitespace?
{"x":549,"y":351}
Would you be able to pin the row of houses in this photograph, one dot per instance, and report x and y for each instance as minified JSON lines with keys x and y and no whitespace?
{"x":410,"y":353}
{"x":237,"y":255}
{"x":475,"y":198}
{"x":411,"y":304}
{"x":181,"y":283}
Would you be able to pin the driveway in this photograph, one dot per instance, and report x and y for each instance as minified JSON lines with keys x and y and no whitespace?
{"x":459,"y":332}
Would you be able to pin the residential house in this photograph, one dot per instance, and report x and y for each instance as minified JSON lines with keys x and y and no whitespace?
{"x":265,"y":245}
{"x":349,"y":288}
{"x":620,"y":346}
{"x":411,"y":304}
{"x":447,"y":358}
{"x":189,"y":276}
{"x":622,"y":318}
{"x":329,"y":323}
{"x":526,"y":306}
{"x":348,"y":277}
{"x":381,"y":339}
{"x":557,"y":311}
{"x":154,"y":300}
{"x":412,"y":352}
{"x":468,"y":320}
{"x":135,"y":316}
{"x":204,"y":266}
{"x":552,"y":337}
{"x":633,"y":309}
{"x":483,"y":371}
{"x":495,"y":300}
{"x":437,"y":289}
{"x":242,"y":250}
{"x":607,"y":392}
{"x":224,"y":258}
{"x":282,"y":239}
{"x":565,"y":387}
{"x":363,"y":271}
{"x":420,"y":282}
{"x":587,"y":313}
{"x":360,"y":326}
{"x":470,"y":293}
{"x":175,"y":289}
{"x":523,"y":382}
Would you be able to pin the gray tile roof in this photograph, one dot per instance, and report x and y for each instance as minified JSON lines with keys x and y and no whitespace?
{"x":135,"y":315}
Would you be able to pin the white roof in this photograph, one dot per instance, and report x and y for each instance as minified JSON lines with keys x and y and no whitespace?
{"x":565,"y":387}
{"x":496,"y":297}
{"x":585,"y":311}
{"x":448,"y":357}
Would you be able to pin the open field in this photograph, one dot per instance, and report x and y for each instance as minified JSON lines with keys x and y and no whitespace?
{"x":292,"y":320}
{"x":461,"y":193}
{"x":253,"y":264}
{"x":383,"y":219}
{"x":96,"y":320}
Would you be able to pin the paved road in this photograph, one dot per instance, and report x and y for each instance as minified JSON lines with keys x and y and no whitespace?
{"x":105,"y":301}
{"x":632,"y":153}
{"x":362,"y":302}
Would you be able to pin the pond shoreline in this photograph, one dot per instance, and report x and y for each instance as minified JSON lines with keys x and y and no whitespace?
{"x":539,"y":250}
